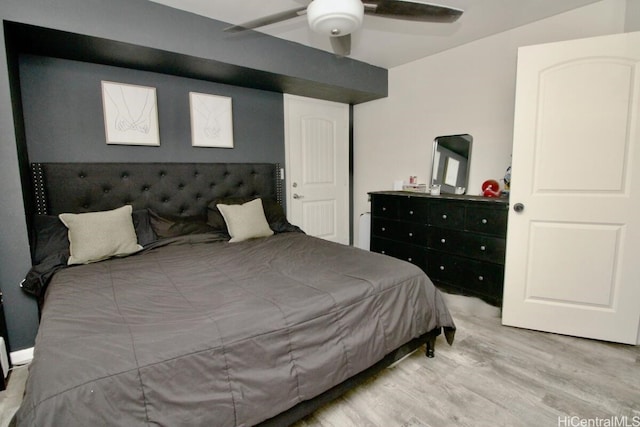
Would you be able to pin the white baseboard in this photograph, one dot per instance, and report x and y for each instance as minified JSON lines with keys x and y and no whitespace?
{"x":21,"y":357}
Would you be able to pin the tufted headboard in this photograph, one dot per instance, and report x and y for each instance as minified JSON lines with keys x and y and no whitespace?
{"x":176,"y":189}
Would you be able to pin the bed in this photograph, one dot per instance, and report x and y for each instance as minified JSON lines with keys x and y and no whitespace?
{"x":193,"y":327}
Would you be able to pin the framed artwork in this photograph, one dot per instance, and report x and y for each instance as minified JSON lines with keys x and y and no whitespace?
{"x":211,"y":120}
{"x":130,"y":114}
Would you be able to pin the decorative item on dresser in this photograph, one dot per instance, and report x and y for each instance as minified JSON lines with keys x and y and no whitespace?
{"x":459,"y":241}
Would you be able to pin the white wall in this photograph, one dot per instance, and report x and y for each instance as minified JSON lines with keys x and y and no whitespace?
{"x":469,"y":89}
{"x":632,"y":22}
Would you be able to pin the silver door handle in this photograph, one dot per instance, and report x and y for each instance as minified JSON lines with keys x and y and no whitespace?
{"x":297,"y":196}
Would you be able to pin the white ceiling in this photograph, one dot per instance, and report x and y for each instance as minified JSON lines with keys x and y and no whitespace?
{"x":388,"y":42}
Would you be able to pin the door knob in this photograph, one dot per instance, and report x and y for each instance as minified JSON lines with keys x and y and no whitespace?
{"x":518,"y":207}
{"x":297,"y":196}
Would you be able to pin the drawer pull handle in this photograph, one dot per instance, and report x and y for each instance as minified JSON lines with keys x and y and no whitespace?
{"x":443,"y":240}
{"x":444,"y":216}
{"x":484,"y":221}
{"x":383,"y":229}
{"x":384,"y":208}
{"x":442,"y":267}
{"x":410,"y":234}
{"x":480,"y":278}
{"x":382,"y":252}
{"x":410,"y":259}
{"x":410,"y":212}
{"x":483,"y":248}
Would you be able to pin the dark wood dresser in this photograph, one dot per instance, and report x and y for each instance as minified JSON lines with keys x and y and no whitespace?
{"x":459,"y":241}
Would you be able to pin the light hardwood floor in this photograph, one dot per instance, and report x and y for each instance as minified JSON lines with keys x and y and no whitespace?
{"x":497,"y":376}
{"x":11,"y":397}
{"x":492,"y":376}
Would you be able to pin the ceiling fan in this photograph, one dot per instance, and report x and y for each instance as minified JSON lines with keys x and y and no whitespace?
{"x":339,"y":18}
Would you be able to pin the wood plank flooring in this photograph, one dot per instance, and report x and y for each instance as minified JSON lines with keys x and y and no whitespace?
{"x":496,"y":376}
{"x":11,"y":397}
{"x":492,"y":376}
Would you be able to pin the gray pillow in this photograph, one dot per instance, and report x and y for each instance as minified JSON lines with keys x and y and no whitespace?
{"x":246,"y":221}
{"x":95,"y":236}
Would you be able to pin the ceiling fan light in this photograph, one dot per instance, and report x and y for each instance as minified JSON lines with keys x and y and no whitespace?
{"x":335,"y":17}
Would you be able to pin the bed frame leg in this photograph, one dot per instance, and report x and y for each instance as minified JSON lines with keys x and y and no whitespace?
{"x":431,"y":345}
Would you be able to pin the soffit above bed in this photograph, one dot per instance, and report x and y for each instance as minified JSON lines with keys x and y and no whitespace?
{"x":30,"y":39}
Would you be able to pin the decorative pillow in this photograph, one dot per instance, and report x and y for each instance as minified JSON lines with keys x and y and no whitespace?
{"x":51,"y":235}
{"x":95,"y":236}
{"x":142,"y":224}
{"x":50,"y":238}
{"x":246,"y":221}
{"x":169,"y":226}
{"x":273,"y":212}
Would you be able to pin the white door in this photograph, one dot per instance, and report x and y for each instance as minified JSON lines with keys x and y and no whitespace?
{"x":572,"y":264}
{"x":317,"y":162}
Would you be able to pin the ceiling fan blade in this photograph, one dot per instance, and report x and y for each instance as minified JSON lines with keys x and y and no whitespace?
{"x":267,"y":20}
{"x":341,"y":45}
{"x":411,"y":11}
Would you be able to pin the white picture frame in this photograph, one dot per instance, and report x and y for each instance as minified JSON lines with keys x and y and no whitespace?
{"x":211,"y":120}
{"x":130,"y":114}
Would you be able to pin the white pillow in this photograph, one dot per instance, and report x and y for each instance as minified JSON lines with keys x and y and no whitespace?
{"x":246,"y":221}
{"x":95,"y":236}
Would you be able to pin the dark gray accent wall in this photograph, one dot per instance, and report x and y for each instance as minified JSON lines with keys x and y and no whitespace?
{"x":138,"y":35}
{"x":64,"y":120}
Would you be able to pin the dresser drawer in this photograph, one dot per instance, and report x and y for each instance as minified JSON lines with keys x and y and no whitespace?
{"x":445,"y":240}
{"x":412,"y":209}
{"x":414,"y":254}
{"x":397,"y":230}
{"x":476,"y":277}
{"x":443,"y":268}
{"x":484,"y":278}
{"x":486,"y":220}
{"x":384,"y":206}
{"x":446,"y":215}
{"x":476,"y":246}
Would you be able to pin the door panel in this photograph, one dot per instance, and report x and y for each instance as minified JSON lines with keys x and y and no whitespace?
{"x":572,"y":120}
{"x":317,"y":153}
{"x":586,"y":271}
{"x":571,"y":263}
{"x":319,"y":218}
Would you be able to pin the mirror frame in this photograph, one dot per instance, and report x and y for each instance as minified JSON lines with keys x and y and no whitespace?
{"x":459,"y":146}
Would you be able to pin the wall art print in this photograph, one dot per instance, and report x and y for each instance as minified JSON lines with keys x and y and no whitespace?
{"x":130,"y":114}
{"x":211,"y":120}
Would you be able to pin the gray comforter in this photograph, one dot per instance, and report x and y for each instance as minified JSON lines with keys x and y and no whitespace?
{"x":201,"y":332}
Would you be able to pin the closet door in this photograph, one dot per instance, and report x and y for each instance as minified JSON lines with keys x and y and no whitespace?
{"x":317,"y":161}
{"x":574,"y":227}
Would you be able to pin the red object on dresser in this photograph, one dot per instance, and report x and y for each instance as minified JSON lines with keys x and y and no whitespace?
{"x":491,"y":188}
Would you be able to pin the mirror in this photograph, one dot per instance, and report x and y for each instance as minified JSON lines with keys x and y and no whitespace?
{"x":450,"y":162}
